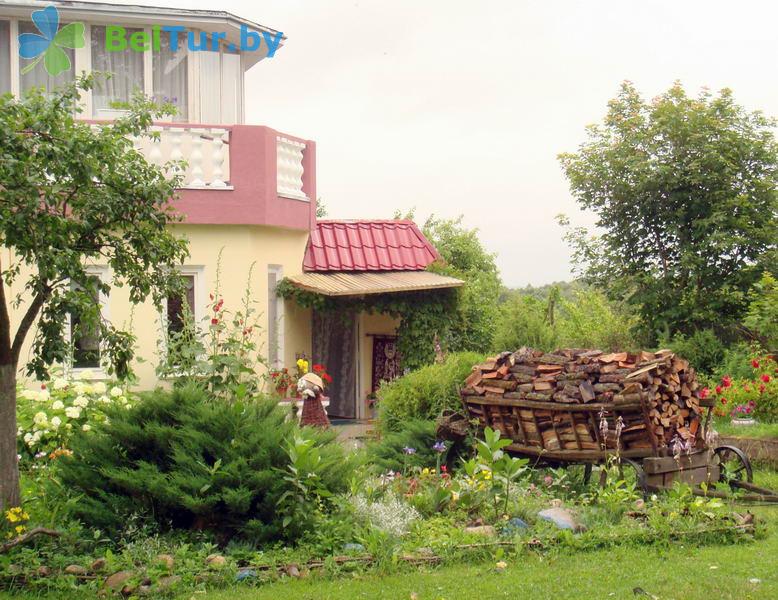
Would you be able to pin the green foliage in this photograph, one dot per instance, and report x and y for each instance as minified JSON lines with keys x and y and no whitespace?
{"x":464,"y":257}
{"x":522,"y":321}
{"x":49,"y":417}
{"x":224,"y":361}
{"x":426,"y":392}
{"x":737,"y":361}
{"x":762,"y":316}
{"x":74,"y":194}
{"x":685,"y":192}
{"x":390,"y":454}
{"x":188,"y":461}
{"x":702,"y":349}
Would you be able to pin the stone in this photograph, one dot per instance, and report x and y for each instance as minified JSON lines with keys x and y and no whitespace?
{"x":562,"y":518}
{"x":116,"y":581}
{"x":97,"y":565}
{"x":351,"y":547}
{"x":168,"y":581}
{"x":167,"y":560}
{"x":215,"y":561}
{"x":292,"y":571}
{"x":76,"y":570}
{"x":144,"y":590}
{"x":513,"y":526}
{"x":245,"y":573}
{"x":485,"y":530}
{"x":129,"y":589}
{"x":43,"y":571}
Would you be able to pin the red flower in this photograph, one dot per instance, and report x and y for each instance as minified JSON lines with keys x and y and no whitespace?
{"x":718,"y":389}
{"x":765,"y":378}
{"x":318,"y":368}
{"x":326,"y":377}
{"x":443,"y":468}
{"x":704,"y":393}
{"x":762,"y":388}
{"x":755,"y":363}
{"x":214,"y":321}
{"x":726,"y":381}
{"x":723,"y":400}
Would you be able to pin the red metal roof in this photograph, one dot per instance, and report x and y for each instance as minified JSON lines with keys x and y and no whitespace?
{"x":368,"y":246}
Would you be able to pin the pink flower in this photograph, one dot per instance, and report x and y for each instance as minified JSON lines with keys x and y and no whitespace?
{"x":548,"y":480}
{"x":762,"y":388}
{"x":704,"y":392}
{"x":755,"y":363}
{"x":726,"y":381}
{"x":214,"y":321}
{"x":718,"y":389}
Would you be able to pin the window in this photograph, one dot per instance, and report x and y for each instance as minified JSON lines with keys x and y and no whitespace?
{"x":170,"y":78}
{"x":126,"y":69}
{"x":84,"y":331}
{"x":275,"y":317}
{"x":5,"y":57}
{"x":181,"y":315}
{"x":32,"y":72}
{"x":181,"y":308}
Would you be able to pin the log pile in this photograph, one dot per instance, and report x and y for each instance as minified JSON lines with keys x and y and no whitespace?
{"x":580,"y":399}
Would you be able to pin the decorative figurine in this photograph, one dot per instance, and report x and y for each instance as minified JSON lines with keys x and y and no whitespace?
{"x":311,"y":388}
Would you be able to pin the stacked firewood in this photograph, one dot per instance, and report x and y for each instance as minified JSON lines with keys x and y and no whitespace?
{"x":633,"y":400}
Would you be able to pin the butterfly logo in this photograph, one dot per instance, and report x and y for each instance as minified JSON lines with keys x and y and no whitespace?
{"x":48,"y":45}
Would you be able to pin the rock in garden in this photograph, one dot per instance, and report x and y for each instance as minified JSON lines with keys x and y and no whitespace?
{"x":562,"y":518}
{"x":351,"y":547}
{"x":76,"y":570}
{"x":485,"y":530}
{"x":513,"y":526}
{"x":116,"y":581}
{"x":43,"y":571}
{"x":167,"y":560}
{"x":292,"y":571}
{"x":97,"y":565}
{"x":215,"y":561}
{"x":168,"y":582}
{"x":245,"y":573}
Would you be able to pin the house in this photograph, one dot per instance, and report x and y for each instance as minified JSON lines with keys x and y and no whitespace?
{"x":248,"y":197}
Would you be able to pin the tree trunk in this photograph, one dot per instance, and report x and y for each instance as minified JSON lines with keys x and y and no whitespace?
{"x":9,"y":468}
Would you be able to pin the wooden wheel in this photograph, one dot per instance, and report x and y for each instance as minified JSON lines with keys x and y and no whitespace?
{"x":733,"y":464}
{"x":640,"y":474}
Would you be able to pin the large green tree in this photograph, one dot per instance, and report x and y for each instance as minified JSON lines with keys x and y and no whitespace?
{"x":72,"y":194}
{"x":685,"y":194}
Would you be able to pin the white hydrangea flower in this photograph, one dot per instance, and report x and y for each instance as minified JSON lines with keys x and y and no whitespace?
{"x":36,"y":437}
{"x":27,"y":438}
{"x":55,"y":423}
{"x":99,"y":388}
{"x":29,"y":394}
{"x":73,"y":412}
{"x":104,"y":399}
{"x":116,"y":391}
{"x":43,"y":396}
{"x":60,"y":383}
{"x":40,"y":418}
{"x":86,"y":427}
{"x":81,"y":402}
{"x":57,"y":405}
{"x":79,"y":387}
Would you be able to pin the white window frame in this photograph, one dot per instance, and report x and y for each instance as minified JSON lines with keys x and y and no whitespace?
{"x":99,"y":372}
{"x":280,"y":323}
{"x":198,"y":272}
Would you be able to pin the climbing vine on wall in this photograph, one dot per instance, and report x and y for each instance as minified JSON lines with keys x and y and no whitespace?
{"x":422,"y":315}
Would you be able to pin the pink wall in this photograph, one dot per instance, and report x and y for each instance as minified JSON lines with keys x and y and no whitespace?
{"x":254,"y":200}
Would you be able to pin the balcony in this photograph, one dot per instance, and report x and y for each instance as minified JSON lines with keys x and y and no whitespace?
{"x":239,"y":174}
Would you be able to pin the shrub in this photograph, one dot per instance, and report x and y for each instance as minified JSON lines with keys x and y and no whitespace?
{"x":189,"y":462}
{"x":390,"y":454}
{"x":756,"y":396}
{"x":702,"y":349}
{"x":522,"y":322}
{"x":591,"y":321}
{"x":49,"y":417}
{"x":424,"y":393}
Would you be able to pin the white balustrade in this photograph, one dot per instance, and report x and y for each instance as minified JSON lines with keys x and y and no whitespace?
{"x":202,"y":149}
{"x":290,"y":168}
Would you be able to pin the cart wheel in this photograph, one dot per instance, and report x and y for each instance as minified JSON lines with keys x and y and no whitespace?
{"x":587,"y":474}
{"x":734,"y":464}
{"x":640,"y":474}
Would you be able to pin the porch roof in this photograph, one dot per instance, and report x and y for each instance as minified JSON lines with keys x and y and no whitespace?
{"x":364,"y":283}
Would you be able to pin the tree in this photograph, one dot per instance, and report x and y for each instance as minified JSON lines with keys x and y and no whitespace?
{"x":685,"y":194}
{"x":70,"y":194}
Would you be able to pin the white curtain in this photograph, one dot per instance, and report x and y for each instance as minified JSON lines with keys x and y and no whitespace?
{"x":38,"y":76}
{"x":5,"y":57}
{"x":170,"y":77}
{"x":126,"y":68}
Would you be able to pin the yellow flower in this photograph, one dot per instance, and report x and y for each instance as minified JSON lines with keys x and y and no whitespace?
{"x":19,"y":529}
{"x":302,"y":365}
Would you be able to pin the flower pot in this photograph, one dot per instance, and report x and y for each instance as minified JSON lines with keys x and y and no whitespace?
{"x":743,"y":421}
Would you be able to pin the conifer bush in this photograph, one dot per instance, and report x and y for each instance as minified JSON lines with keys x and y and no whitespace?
{"x":190,"y":462}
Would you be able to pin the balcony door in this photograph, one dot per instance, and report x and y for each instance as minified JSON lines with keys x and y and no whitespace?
{"x":335,"y":346}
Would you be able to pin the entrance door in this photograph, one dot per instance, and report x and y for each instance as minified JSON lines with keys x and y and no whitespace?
{"x":335,"y":346}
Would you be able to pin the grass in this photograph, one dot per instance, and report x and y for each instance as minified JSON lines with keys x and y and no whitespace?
{"x":760,"y":430}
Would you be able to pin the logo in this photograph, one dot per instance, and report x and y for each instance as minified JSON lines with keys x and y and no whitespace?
{"x":48,"y":45}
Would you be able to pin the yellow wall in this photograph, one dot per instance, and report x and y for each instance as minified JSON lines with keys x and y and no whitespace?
{"x":375,"y":324}
{"x":241,"y":245}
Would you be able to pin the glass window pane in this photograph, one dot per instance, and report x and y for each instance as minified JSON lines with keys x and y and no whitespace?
{"x":37,"y":76}
{"x":5,"y":57}
{"x":126,"y":68}
{"x":177,"y":312}
{"x":170,"y":78}
{"x":85,"y":336}
{"x":272,"y":318}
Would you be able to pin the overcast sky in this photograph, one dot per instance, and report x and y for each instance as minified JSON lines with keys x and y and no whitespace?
{"x":458,"y":107}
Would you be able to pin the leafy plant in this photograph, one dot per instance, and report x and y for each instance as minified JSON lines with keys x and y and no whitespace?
{"x":391,"y":451}
{"x":703,"y":349}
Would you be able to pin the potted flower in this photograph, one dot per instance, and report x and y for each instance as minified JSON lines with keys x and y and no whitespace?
{"x":282,"y":381}
{"x":742,"y":414}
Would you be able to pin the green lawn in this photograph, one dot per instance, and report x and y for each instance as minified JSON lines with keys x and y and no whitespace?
{"x":761,"y":430}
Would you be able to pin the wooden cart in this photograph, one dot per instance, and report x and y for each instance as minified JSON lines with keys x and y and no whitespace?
{"x":557,"y":434}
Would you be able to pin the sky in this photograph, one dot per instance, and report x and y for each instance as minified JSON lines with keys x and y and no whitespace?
{"x":461,"y":108}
